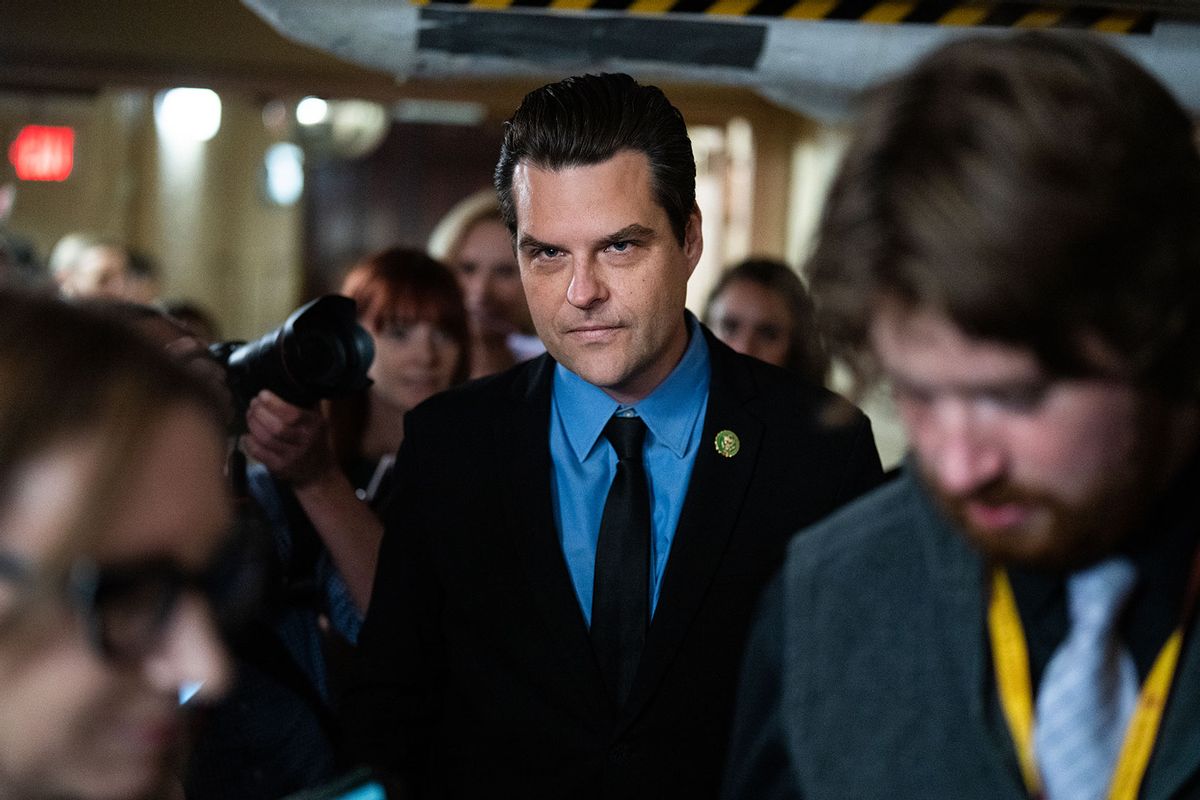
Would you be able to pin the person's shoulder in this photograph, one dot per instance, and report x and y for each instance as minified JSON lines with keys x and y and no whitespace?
{"x":865,"y":568}
{"x":874,"y":531}
{"x":480,"y":399}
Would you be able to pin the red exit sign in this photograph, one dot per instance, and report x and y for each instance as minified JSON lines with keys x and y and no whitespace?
{"x":43,"y":153}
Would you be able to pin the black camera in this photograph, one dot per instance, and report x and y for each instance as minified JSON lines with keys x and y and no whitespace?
{"x":320,"y":351}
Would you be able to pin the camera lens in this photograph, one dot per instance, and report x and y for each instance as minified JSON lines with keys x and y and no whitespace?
{"x":320,"y":351}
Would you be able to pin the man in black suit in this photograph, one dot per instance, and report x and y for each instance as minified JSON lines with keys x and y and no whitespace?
{"x":550,"y":619}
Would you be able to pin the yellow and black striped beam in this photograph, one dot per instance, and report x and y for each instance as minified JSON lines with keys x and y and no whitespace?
{"x":883,"y":12}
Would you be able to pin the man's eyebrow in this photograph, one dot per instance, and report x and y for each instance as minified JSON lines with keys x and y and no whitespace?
{"x":633,"y":232}
{"x":527,"y":242}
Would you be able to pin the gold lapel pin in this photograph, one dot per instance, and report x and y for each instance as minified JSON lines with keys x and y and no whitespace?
{"x":727,"y":443}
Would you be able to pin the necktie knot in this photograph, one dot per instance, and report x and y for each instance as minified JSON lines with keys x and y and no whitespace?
{"x":1096,"y":596}
{"x":626,"y":435}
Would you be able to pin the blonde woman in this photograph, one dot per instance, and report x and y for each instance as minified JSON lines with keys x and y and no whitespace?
{"x":473,"y":241}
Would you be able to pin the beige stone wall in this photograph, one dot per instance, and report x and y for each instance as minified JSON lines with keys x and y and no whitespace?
{"x":198,"y":210}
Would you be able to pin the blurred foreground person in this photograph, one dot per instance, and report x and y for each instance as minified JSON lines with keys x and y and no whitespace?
{"x":473,"y":240}
{"x":113,"y":510}
{"x":761,"y":308}
{"x":1012,"y":241}
{"x":322,"y":474}
{"x":198,"y":319}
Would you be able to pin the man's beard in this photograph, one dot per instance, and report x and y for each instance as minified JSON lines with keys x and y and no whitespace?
{"x":1110,"y":511}
{"x":1055,"y":534}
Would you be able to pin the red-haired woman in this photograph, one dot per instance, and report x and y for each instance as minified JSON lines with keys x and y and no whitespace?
{"x":333,"y":461}
{"x":320,"y":475}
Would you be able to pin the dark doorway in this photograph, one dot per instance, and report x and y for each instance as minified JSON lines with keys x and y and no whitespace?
{"x":394,"y":196}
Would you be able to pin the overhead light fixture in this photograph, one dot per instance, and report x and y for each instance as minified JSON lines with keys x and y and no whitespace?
{"x":346,"y":128}
{"x":188,"y":114}
{"x":312,"y":111}
{"x":284,"y":173}
{"x":439,"y":112}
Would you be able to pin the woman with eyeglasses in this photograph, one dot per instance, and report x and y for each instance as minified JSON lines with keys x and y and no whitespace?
{"x":114,"y":514}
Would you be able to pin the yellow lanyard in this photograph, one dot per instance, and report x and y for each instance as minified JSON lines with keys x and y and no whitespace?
{"x":1010,"y":658}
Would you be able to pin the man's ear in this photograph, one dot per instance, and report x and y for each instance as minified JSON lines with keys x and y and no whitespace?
{"x":693,"y":239}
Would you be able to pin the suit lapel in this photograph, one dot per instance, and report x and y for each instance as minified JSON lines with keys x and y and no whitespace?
{"x":710,"y":512}
{"x":523,"y":442}
{"x":1176,"y":757}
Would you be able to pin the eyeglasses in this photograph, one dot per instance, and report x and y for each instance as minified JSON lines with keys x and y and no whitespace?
{"x":126,"y":608}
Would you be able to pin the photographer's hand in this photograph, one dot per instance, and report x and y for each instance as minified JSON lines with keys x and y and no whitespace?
{"x":293,"y":443}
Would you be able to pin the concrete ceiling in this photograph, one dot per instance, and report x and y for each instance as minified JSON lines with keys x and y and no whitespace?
{"x":813,"y":56}
{"x":83,"y":45}
{"x":80,"y":45}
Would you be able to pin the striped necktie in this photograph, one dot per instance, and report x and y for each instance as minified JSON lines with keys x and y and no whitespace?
{"x":1089,"y":689}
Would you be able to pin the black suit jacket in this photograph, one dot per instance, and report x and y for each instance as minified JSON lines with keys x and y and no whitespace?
{"x":476,"y":676}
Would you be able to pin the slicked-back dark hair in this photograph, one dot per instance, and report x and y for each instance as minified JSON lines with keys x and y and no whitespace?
{"x":588,"y":119}
{"x":1039,"y":190}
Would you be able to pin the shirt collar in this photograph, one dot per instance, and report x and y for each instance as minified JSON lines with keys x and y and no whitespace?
{"x":670,"y":411}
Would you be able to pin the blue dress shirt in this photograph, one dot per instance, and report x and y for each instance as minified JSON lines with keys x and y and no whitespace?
{"x":585,"y":463}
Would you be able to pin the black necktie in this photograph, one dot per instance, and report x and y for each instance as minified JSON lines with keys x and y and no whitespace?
{"x":621,"y":590}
